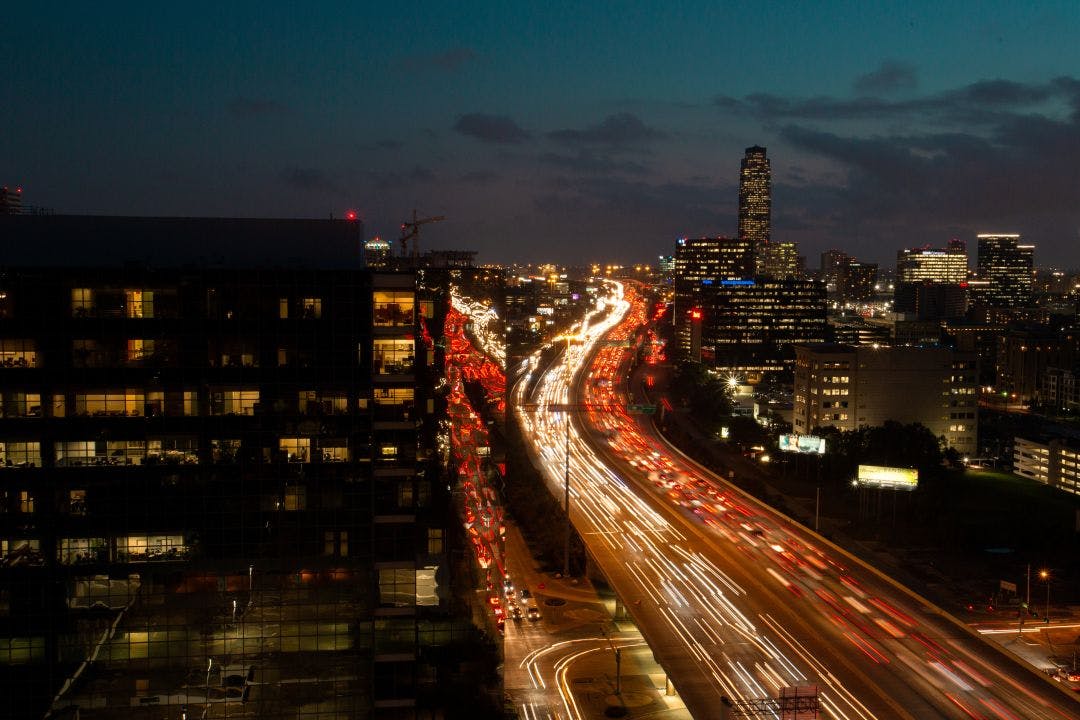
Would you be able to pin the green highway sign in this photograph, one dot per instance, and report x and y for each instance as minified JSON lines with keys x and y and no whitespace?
{"x":641,"y":409}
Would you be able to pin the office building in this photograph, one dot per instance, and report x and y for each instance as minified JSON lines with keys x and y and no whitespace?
{"x":850,"y":387}
{"x":752,"y":324}
{"x":221,"y":479}
{"x":1061,"y":388}
{"x":780,"y":260}
{"x":755,"y":203}
{"x":700,"y":264}
{"x":1009,"y":268}
{"x":855,"y":281}
{"x":926,"y":265}
{"x":1024,"y":355}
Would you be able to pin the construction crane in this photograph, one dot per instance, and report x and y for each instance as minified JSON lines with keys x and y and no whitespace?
{"x":411,"y":231}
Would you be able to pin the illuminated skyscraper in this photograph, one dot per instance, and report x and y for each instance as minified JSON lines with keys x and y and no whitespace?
{"x":1007,"y":265}
{"x":923,"y":265}
{"x":755,"y":201}
{"x":779,"y":260}
{"x":700,"y":264}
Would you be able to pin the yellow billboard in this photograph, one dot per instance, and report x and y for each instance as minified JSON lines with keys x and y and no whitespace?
{"x":887,"y":477}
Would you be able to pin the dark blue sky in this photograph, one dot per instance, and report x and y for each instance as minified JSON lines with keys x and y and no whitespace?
{"x":571,"y":131}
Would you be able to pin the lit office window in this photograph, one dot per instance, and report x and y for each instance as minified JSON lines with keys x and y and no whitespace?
{"x":139,"y":303}
{"x":295,"y":450}
{"x":311,"y":307}
{"x":18,"y":353}
{"x":393,"y":308}
{"x":20,"y":454}
{"x":82,"y":302}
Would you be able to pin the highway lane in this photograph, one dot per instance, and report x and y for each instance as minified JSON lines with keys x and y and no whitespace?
{"x":737,"y":601}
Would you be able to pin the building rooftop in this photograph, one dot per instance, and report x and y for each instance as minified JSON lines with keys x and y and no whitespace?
{"x":104,"y":240}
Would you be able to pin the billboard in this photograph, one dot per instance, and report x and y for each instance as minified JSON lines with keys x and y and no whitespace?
{"x":802,"y":444}
{"x":889,"y":478}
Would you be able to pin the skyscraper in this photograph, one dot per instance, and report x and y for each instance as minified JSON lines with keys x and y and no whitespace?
{"x":779,"y":260}
{"x":755,"y":201}
{"x":1007,"y":265}
{"x":917,"y":266}
{"x":701,"y":263}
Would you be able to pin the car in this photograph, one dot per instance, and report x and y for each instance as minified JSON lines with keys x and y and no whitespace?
{"x":524,"y":593}
{"x":534,"y":613}
{"x":515,"y":613}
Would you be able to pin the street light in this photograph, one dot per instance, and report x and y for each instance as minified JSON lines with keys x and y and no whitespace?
{"x":566,"y":476}
{"x":618,"y":662}
{"x":1044,"y":575}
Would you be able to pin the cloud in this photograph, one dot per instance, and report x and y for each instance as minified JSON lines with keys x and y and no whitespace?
{"x":891,"y":76}
{"x":587,"y":162}
{"x":498,"y":129}
{"x":983,"y":103}
{"x":450,"y":60}
{"x":887,"y":173}
{"x":249,"y":108}
{"x":479,"y":177}
{"x":308,"y":179}
{"x":623,"y":130}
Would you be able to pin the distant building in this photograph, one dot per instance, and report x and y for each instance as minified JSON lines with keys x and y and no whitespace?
{"x":832,"y":262}
{"x":856,"y":280}
{"x":755,"y":202}
{"x":377,"y":253}
{"x":855,"y":330}
{"x":851,"y":387}
{"x":1054,"y":462}
{"x":780,"y":260}
{"x":917,"y":267}
{"x":940,"y":301}
{"x":1024,"y":355}
{"x":752,"y":324}
{"x":1061,"y":388}
{"x":11,"y":200}
{"x":700,"y":264}
{"x":1008,"y":266}
{"x":978,"y":338}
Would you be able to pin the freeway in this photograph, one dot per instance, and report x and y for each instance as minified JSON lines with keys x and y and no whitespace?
{"x":736,"y":600}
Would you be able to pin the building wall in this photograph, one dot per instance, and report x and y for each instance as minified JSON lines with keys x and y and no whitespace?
{"x":181,"y":440}
{"x":850,"y":387}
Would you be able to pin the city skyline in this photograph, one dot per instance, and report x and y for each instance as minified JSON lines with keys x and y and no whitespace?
{"x":532,"y":125}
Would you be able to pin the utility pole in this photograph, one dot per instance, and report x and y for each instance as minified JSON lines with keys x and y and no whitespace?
{"x":566,"y":485}
{"x":817,"y":509}
{"x":1027,"y":603}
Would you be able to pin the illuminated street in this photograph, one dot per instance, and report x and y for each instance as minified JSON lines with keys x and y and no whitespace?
{"x":734,"y":599}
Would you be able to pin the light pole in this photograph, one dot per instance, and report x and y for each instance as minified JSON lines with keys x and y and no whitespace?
{"x":1044,"y":575}
{"x":618,"y":662}
{"x":566,"y":474}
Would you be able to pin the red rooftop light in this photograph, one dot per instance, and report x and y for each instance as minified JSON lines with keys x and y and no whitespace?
{"x":350,"y":214}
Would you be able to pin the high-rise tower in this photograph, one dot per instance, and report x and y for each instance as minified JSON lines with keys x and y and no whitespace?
{"x":1007,"y":265}
{"x":755,"y":200}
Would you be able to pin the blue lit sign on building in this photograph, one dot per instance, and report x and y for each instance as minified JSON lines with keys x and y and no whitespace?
{"x":737,"y":282}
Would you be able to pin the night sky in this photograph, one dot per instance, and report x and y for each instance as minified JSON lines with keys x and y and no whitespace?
{"x":562,"y":131}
